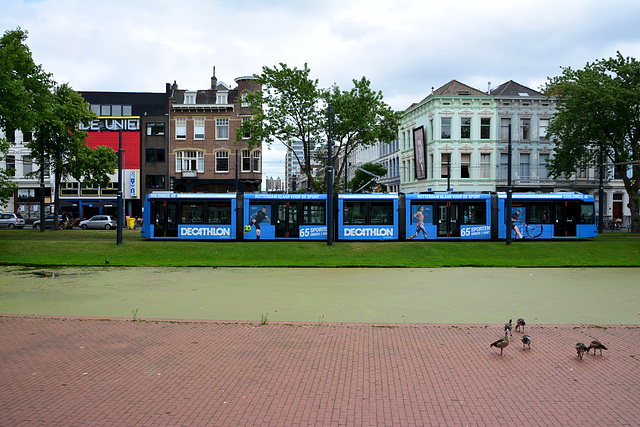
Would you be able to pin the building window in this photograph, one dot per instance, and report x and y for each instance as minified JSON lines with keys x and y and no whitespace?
{"x":504,"y":165}
{"x":155,"y":129}
{"x":444,"y":165}
{"x":190,"y":98}
{"x":27,"y":165}
{"x":190,"y":160}
{"x":525,"y":172}
{"x":116,"y":110}
{"x":222,"y":161}
{"x":246,"y":134}
{"x":544,"y":127}
{"x":465,"y":128}
{"x":105,"y":110}
{"x":27,"y":136}
{"x":222,"y":128}
{"x":69,"y":189}
{"x":504,"y":129}
{"x":430,"y":166}
{"x":221,"y":98}
{"x":525,"y":129}
{"x":198,"y":128}
{"x":155,"y":181}
{"x":246,"y":161}
{"x":543,"y":160}
{"x":485,"y":165}
{"x":10,"y":165}
{"x":256,"y":161}
{"x":243,"y":97}
{"x":154,"y":155}
{"x":181,"y":128}
{"x":445,"y":128}
{"x":465,"y":165}
{"x":485,"y":128}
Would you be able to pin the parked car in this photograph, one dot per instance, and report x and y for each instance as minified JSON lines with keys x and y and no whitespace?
{"x":11,"y":220}
{"x":99,"y":221}
{"x":48,"y":222}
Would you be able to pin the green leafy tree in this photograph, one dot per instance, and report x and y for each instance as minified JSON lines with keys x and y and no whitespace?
{"x":291,"y":108}
{"x":364,"y":182}
{"x":361,"y":119}
{"x":599,"y":106}
{"x":65,"y":146}
{"x":24,"y":92}
{"x":286,"y":110}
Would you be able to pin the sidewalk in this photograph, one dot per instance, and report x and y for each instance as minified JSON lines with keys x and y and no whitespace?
{"x":73,"y":371}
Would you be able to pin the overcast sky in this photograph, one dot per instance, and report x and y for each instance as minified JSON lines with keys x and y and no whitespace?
{"x":404,"y":47}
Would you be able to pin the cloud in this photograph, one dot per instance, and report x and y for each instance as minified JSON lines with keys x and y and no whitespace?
{"x":403,"y":47}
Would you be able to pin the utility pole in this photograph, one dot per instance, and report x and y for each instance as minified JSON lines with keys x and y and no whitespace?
{"x":509,"y":190}
{"x":330,"y":183}
{"x":601,"y":192}
{"x":42,"y":213}
{"x":120,"y":204}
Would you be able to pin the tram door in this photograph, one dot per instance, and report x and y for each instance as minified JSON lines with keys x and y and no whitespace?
{"x":166,"y":219}
{"x":287,"y":221}
{"x":448,"y":219}
{"x":566,"y":219}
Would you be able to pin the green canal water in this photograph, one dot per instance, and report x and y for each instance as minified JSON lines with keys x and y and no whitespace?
{"x":385,"y":295}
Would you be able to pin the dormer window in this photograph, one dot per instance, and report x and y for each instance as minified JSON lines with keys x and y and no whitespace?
{"x":221,"y":98}
{"x":189,"y":98}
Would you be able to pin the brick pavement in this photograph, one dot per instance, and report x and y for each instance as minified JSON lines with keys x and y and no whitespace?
{"x":72,"y":372}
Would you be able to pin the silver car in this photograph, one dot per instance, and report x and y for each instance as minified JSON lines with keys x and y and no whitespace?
{"x":98,"y":222}
{"x":11,"y":220}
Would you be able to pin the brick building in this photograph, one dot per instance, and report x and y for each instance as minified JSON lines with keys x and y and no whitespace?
{"x":204,"y":155}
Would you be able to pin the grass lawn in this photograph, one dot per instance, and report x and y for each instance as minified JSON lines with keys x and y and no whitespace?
{"x":93,"y":248}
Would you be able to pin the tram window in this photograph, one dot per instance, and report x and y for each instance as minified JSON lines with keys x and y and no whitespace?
{"x":313,"y":213}
{"x":539,"y":213}
{"x":355,"y":213}
{"x":427,"y":213}
{"x":475,"y":213}
{"x":587,"y":213}
{"x":219,"y":212}
{"x":381,"y":213}
{"x":192,"y":213}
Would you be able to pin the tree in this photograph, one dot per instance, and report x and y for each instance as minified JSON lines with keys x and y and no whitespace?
{"x":292,"y":108}
{"x":24,"y":92}
{"x":364,"y":182}
{"x":599,"y":106}
{"x":64,"y":143}
{"x":287,"y":109}
{"x":361,"y":118}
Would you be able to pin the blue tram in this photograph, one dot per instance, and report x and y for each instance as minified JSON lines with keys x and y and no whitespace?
{"x":284,"y":216}
{"x":448,"y":216}
{"x":368,"y":217}
{"x":548,"y":216}
{"x":189,"y":216}
{"x":433,"y":216}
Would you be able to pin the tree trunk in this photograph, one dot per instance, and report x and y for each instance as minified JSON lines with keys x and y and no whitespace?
{"x":634,"y":207}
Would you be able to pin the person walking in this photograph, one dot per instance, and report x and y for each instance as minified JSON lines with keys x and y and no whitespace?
{"x":420,"y":225}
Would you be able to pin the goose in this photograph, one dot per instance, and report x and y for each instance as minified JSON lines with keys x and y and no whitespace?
{"x":520,"y":324}
{"x":526,"y":341}
{"x":508,"y":327}
{"x":581,"y":348}
{"x":596,"y":345}
{"x":502,"y":342}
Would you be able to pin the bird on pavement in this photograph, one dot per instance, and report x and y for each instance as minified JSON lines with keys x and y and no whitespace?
{"x":502,"y":343}
{"x":596,"y":345}
{"x":581,"y":348}
{"x":508,"y":327}
{"x":526,"y":341}
{"x":520,"y":324}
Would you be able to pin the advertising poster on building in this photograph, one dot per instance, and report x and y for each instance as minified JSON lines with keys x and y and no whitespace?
{"x":419,"y":152}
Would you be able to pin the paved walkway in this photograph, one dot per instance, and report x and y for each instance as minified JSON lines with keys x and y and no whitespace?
{"x":73,"y":371}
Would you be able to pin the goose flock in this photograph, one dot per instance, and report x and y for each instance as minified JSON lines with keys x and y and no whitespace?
{"x":502,"y":343}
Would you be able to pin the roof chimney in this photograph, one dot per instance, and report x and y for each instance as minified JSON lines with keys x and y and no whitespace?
{"x":214,"y":81}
